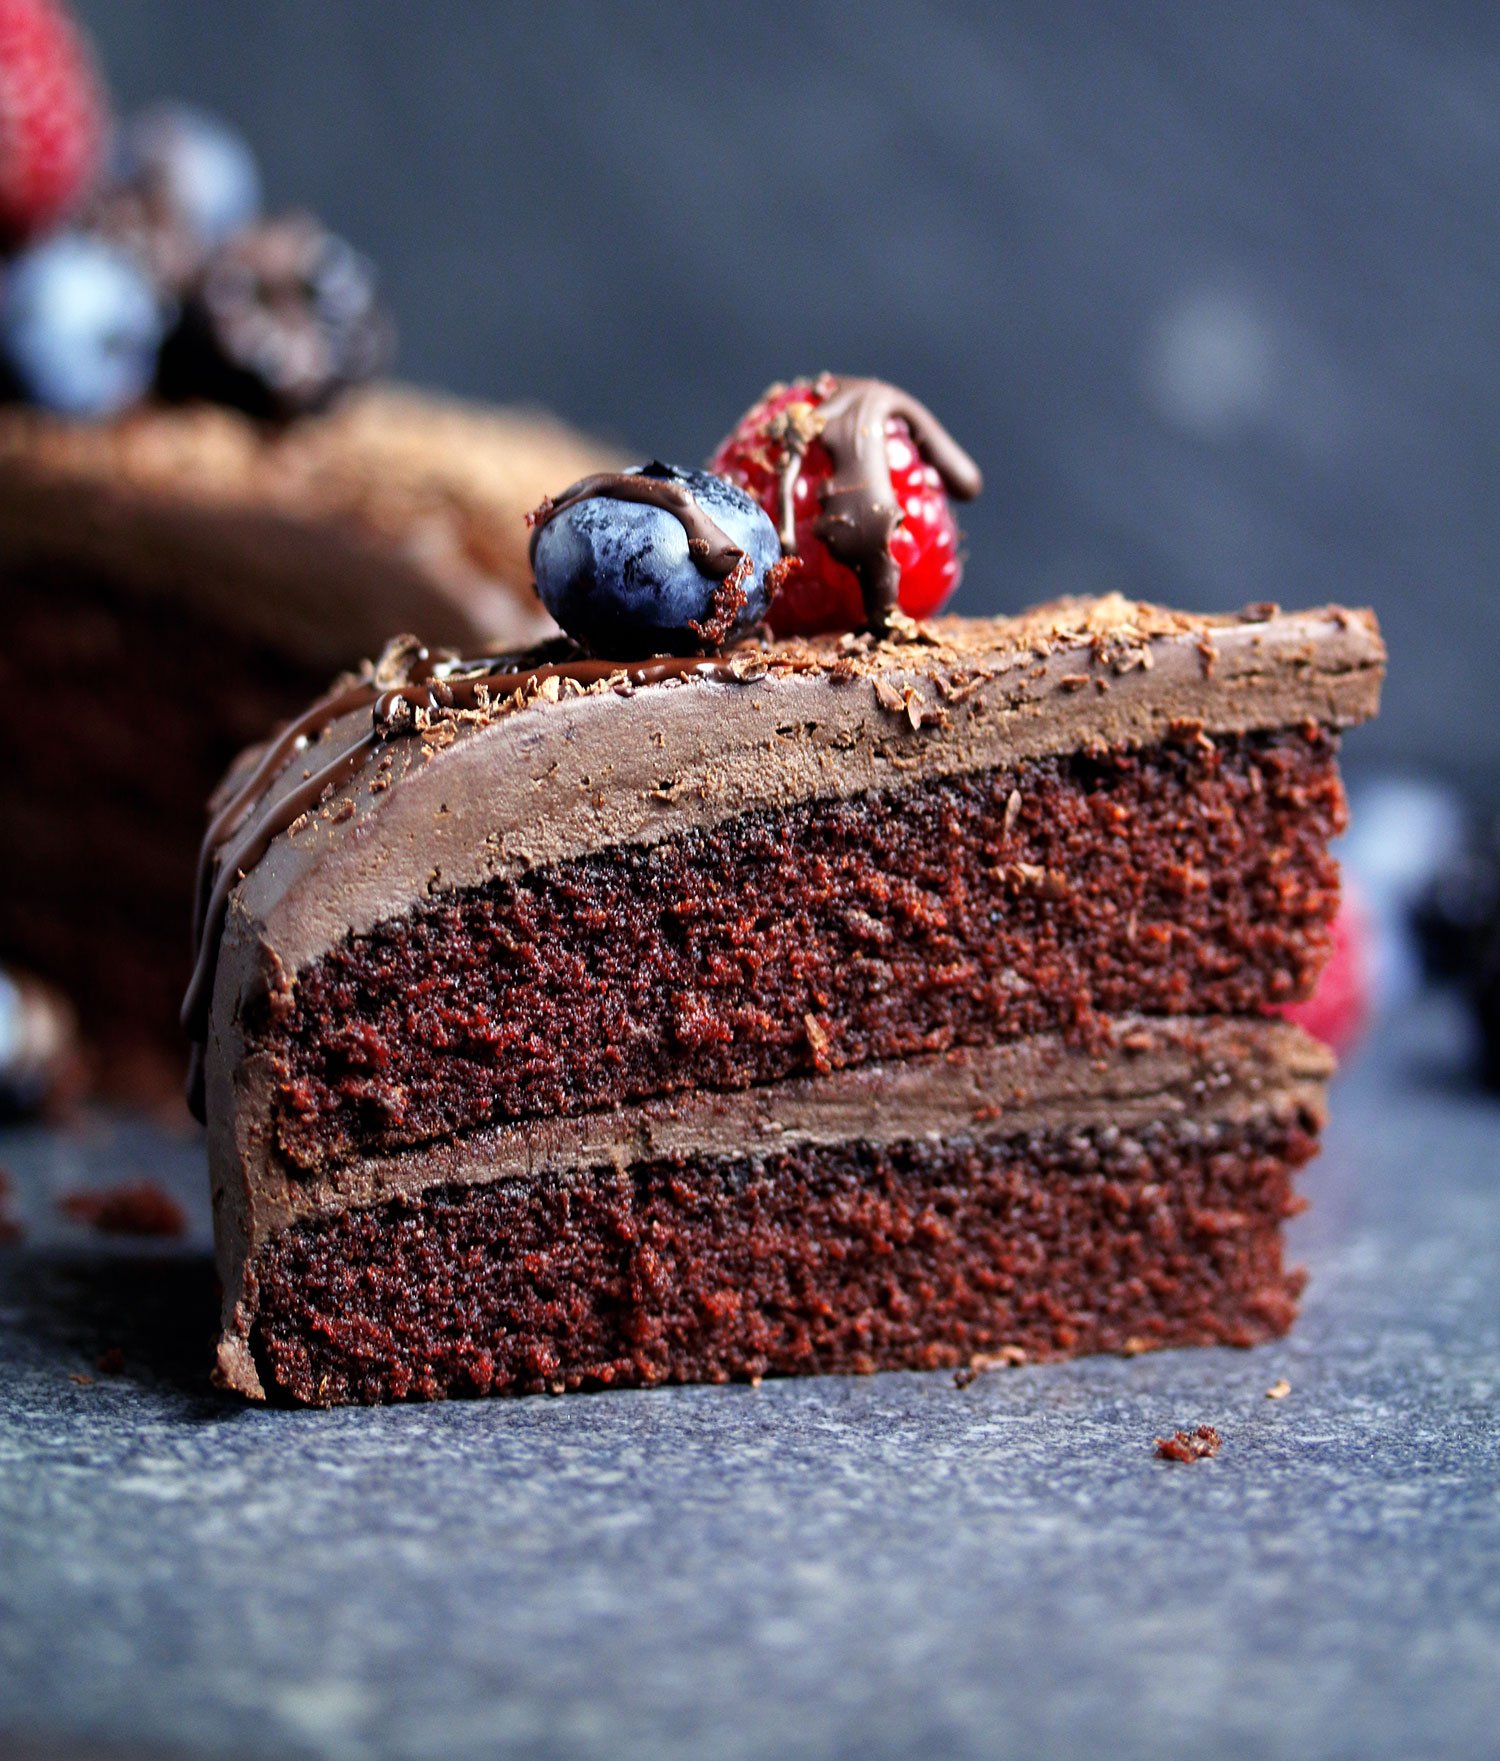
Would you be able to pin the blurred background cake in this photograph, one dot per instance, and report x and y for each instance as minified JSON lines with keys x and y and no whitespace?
{"x":210,"y":502}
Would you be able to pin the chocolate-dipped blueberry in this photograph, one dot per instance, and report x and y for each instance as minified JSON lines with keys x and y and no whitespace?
{"x":654,"y":560}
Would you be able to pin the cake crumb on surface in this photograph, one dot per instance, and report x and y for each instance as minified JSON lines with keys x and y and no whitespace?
{"x":1007,"y":1357}
{"x":11,"y":1230}
{"x":136,"y":1209}
{"x":1279,"y":1389}
{"x":1196,"y":1445}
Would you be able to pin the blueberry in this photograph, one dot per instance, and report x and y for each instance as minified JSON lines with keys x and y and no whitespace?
{"x":619,"y":577}
{"x":80,"y":326}
{"x":195,"y":162}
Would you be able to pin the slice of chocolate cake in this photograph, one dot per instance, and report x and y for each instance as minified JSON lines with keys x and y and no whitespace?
{"x":828,"y":1003}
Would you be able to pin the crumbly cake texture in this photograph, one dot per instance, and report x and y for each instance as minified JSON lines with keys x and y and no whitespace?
{"x":840,"y":929}
{"x":201,"y":576}
{"x":853,"y":1257}
{"x":1042,"y":896}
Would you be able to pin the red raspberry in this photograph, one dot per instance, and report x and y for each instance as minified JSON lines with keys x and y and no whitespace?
{"x":817,"y":592}
{"x":51,"y":117}
{"x":1339,"y":1009}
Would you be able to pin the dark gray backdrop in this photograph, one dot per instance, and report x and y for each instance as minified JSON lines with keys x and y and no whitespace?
{"x":1210,"y":291}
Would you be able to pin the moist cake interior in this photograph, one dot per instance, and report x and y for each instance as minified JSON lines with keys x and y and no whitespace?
{"x":851,"y":1257}
{"x":1191,"y":877}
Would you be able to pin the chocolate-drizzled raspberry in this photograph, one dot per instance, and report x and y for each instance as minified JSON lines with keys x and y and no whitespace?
{"x":282,"y":318}
{"x":859,"y":507}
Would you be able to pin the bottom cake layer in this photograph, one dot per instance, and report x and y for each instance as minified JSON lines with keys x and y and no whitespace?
{"x":918,"y":1254}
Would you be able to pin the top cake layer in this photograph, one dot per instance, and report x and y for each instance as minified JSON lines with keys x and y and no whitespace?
{"x":317,"y":538}
{"x":533,"y":762}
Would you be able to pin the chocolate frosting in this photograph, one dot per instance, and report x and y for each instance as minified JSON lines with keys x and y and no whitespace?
{"x":427,"y":774}
{"x":859,"y":508}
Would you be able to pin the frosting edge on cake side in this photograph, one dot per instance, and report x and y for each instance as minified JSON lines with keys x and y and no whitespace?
{"x":552,"y":777}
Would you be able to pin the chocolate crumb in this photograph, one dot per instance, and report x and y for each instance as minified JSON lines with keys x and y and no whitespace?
{"x":1279,"y":1390}
{"x":1007,"y":1357}
{"x":10,"y":1227}
{"x":137,"y":1209}
{"x":1196,"y":1445}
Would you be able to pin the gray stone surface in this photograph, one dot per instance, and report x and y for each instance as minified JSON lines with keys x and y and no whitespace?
{"x":881,"y":1567}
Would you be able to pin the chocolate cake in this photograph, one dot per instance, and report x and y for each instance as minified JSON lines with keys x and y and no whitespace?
{"x":208,"y":505}
{"x":200,"y":575}
{"x":895,"y":997}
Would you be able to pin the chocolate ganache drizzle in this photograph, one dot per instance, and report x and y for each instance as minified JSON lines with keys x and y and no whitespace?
{"x":859,"y":507}
{"x":409,"y":679}
{"x":709,"y":545}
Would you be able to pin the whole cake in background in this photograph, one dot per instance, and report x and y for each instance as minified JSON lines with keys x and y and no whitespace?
{"x":770,"y":977}
{"x":207,"y":506}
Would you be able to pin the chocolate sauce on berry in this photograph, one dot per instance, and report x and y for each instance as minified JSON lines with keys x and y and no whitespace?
{"x":709,"y":545}
{"x":859,"y":511}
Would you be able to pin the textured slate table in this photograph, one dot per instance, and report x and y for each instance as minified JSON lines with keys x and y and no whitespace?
{"x":882,"y":1567}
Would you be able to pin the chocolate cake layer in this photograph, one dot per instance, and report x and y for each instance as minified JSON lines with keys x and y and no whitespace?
{"x":105,"y":814}
{"x":551,"y":768}
{"x":1114,"y":1205}
{"x":1190,"y":877}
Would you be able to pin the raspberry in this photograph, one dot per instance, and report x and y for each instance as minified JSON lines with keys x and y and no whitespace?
{"x":818,"y":591}
{"x":1339,"y":1009}
{"x":51,"y":117}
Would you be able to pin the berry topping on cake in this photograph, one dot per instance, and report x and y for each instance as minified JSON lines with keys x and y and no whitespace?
{"x":196,"y":166}
{"x":858,"y":477}
{"x":80,"y":325}
{"x":654,"y":560}
{"x":281,"y":319}
{"x":51,"y":117}
{"x":1339,"y":1009}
